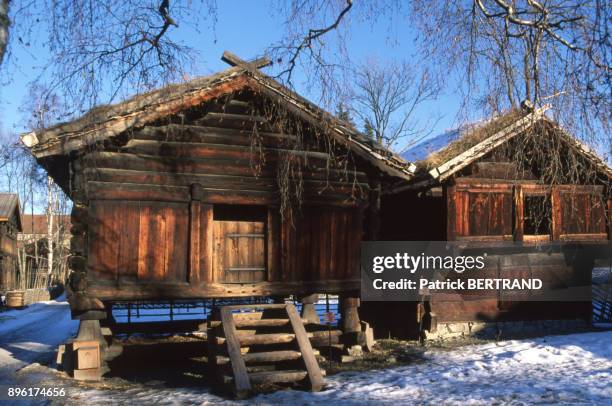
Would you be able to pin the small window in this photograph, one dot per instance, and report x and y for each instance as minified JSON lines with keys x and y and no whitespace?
{"x":537,"y":215}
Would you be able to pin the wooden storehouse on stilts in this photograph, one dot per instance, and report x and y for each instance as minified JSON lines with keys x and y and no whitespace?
{"x":519,"y":180}
{"x":226,"y":186}
{"x":233,"y":186}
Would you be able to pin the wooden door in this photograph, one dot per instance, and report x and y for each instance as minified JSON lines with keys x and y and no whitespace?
{"x":239,"y":251}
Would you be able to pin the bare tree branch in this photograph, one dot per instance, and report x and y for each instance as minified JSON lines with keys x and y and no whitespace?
{"x":306,"y":42}
{"x":5,"y":23}
{"x":386,"y":97}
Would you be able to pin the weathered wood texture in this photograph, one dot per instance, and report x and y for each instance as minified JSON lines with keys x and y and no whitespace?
{"x":321,"y":244}
{"x":240,"y":255}
{"x":158,"y":203}
{"x":497,"y":211}
{"x":138,"y":240}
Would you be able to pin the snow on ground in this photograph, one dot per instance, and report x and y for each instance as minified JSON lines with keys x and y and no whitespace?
{"x":33,"y":334}
{"x":569,"y":369}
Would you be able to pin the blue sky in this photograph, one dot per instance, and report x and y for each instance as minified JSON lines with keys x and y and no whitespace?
{"x":245,"y":28}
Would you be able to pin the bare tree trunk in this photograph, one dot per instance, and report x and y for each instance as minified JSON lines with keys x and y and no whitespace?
{"x":50,"y":205}
{"x":4,"y":27}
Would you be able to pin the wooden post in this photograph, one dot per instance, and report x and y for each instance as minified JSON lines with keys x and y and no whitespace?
{"x":557,"y":215}
{"x":519,"y":218}
{"x":310,"y":362}
{"x":451,"y":213}
{"x":242,"y":384}
{"x":309,"y":310}
{"x":351,"y":326}
{"x":195,"y":233}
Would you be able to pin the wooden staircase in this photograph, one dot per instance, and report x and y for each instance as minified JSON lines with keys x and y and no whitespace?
{"x":261,"y":344}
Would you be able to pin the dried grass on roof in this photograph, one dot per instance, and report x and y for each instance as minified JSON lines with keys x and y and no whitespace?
{"x":470,"y":136}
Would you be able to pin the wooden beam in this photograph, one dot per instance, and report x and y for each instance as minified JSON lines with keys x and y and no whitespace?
{"x":557,"y":213}
{"x":273,"y":254}
{"x":221,"y":119}
{"x":205,"y":150}
{"x":128,"y":191}
{"x":519,"y":216}
{"x":207,"y":243}
{"x":241,"y":377}
{"x":233,"y":60}
{"x":125,"y":289}
{"x":310,"y":362}
{"x":181,"y":179}
{"x":198,"y":133}
{"x":451,"y":213}
{"x":583,"y":237}
{"x":194,"y":242}
{"x":152,"y":163}
{"x":466,"y":158}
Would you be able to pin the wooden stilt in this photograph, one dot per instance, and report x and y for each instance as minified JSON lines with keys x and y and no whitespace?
{"x":350,"y":323}
{"x":309,"y":310}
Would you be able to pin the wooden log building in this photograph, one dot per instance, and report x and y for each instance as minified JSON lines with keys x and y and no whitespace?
{"x":10,"y":226}
{"x":226,"y":186}
{"x":516,"y":178}
{"x":232,"y":185}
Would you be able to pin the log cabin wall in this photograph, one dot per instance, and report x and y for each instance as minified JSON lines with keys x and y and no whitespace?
{"x":8,"y":256}
{"x":494,"y":201}
{"x":192,"y":209}
{"x":485,"y":203}
{"x":10,"y":226}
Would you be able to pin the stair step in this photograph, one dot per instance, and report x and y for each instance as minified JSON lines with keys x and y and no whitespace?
{"x":265,"y":339}
{"x":277,"y":376}
{"x":237,"y":357}
{"x":241,"y":323}
{"x":317,"y":338}
{"x":271,"y":356}
{"x":251,"y":369}
{"x":260,"y":339}
{"x":265,"y":356}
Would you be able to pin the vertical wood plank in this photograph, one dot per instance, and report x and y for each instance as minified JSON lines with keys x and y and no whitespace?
{"x":219,"y":252}
{"x":178,"y":237}
{"x":598,"y":214}
{"x":130,"y":224}
{"x":451,"y":213}
{"x":195,"y":231}
{"x":342,"y":246}
{"x":241,"y":377}
{"x":556,"y":217}
{"x":143,"y":238}
{"x":519,"y":215}
{"x":272,"y":244}
{"x":310,"y":362}
{"x":207,"y":244}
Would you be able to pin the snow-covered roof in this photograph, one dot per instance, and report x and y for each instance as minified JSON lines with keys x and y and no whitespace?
{"x":422,"y":150}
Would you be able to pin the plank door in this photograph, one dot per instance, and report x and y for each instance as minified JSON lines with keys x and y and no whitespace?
{"x":240,"y":251}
